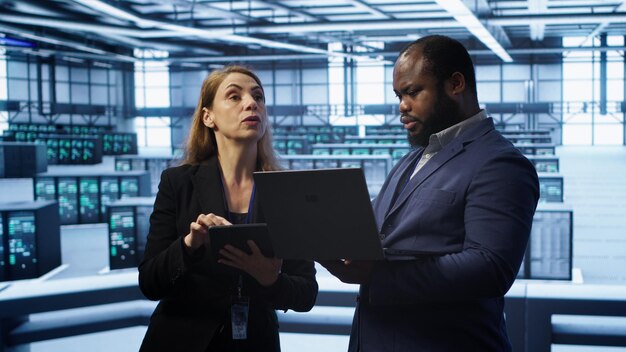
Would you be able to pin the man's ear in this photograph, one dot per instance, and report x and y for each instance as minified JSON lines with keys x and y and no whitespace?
{"x":456,"y":83}
{"x":207,"y":118}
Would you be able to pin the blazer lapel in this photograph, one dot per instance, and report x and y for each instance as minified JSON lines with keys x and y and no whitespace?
{"x":442,"y":157}
{"x":206,"y":184}
{"x":394,"y":184}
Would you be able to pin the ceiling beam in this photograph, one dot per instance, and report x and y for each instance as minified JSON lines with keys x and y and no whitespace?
{"x":342,"y":26}
{"x":387,"y":54}
{"x":207,"y":34}
{"x":86,"y":26}
{"x":367,"y":7}
{"x":528,"y":51}
{"x":207,"y":6}
{"x":463,"y":15}
{"x":556,"y":19}
{"x":600,"y":28}
{"x":538,"y":29}
{"x":278,"y":6}
{"x":62,"y":42}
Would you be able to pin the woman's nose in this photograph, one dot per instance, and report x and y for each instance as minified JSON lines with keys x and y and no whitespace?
{"x":250,"y":102}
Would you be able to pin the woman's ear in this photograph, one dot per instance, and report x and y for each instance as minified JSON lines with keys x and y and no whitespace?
{"x":207,"y":118}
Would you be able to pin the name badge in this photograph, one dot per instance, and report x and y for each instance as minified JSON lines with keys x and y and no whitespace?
{"x":239,"y":317}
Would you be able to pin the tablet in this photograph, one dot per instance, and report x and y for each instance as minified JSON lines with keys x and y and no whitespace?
{"x":237,"y":235}
{"x":322,"y":214}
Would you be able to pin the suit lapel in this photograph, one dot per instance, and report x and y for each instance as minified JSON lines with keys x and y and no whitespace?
{"x":396,"y":179}
{"x":442,"y":157}
{"x":206,"y":184}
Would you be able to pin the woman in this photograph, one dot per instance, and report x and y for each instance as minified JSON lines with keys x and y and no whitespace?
{"x":228,"y":141}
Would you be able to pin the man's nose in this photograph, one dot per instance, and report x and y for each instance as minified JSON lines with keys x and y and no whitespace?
{"x":404,"y":107}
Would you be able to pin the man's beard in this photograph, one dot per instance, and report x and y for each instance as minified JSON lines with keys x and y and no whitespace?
{"x":445,"y":113}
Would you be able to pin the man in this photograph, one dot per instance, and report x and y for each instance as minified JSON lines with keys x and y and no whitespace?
{"x":454,"y":216}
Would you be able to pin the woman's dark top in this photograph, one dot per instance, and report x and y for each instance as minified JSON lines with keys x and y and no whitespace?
{"x":195,"y":298}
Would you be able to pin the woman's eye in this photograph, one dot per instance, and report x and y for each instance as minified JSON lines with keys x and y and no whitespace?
{"x":259,"y":98}
{"x":233,"y":97}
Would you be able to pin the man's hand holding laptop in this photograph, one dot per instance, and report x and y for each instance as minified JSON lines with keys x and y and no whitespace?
{"x":350,"y":271}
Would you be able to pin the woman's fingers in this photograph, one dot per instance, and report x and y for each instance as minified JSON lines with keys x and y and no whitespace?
{"x":212,"y":220}
{"x":233,"y":257}
{"x":254,"y":248}
{"x":264,"y":270}
{"x":194,"y":226}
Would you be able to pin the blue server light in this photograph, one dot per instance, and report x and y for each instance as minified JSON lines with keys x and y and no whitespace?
{"x":45,"y":188}
{"x":22,"y":249}
{"x":122,"y":242}
{"x":109,"y":192}
{"x":88,"y":200}
{"x":2,"y":251}
{"x":68,"y":200}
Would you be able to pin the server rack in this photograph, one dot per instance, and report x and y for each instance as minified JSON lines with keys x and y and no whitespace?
{"x":291,"y":144}
{"x":396,"y":150}
{"x":153,"y":164}
{"x":69,"y":149}
{"x":537,"y":149}
{"x":2,"y":160}
{"x":22,"y":159}
{"x":118,"y":143}
{"x":549,"y":254}
{"x":30,"y":239}
{"x":129,"y":221}
{"x":550,"y":187}
{"x":83,"y":196}
{"x":375,"y":167}
{"x":378,"y":139}
{"x":545,"y":163}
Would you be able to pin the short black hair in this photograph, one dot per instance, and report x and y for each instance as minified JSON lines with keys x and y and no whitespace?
{"x":444,"y":56}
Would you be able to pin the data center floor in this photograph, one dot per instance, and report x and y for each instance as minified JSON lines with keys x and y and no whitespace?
{"x":594,"y":186}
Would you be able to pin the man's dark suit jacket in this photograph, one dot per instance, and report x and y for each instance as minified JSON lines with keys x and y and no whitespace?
{"x":194,"y":298}
{"x":470,"y":209}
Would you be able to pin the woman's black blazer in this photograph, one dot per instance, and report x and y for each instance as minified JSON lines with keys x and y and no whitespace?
{"x":194,"y":297}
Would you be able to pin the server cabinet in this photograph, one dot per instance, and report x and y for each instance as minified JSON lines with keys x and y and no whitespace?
{"x":549,"y":254}
{"x":30,"y":239}
{"x":550,"y":188}
{"x":129,"y":222}
{"x":21,"y":159}
{"x":83,"y":196}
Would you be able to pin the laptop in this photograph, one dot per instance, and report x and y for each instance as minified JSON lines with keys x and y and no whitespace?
{"x":322,"y":214}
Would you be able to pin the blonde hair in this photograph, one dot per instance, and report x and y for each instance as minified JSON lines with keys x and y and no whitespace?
{"x":201,"y":144}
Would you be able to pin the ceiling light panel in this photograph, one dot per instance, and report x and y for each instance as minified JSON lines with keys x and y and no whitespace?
{"x":549,"y":11}
{"x":308,"y":4}
{"x":238,"y":5}
{"x":383,"y":2}
{"x":420,"y":15}
{"x":347,"y":10}
{"x":462,"y":14}
{"x":397,"y":8}
{"x":354,"y":17}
